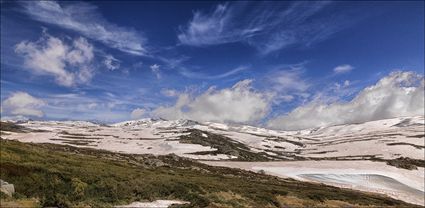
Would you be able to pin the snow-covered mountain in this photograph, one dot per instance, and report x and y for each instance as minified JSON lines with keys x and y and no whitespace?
{"x":160,"y":123}
{"x":389,"y":138}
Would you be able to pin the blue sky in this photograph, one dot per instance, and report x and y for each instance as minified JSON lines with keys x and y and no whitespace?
{"x":241,"y":62}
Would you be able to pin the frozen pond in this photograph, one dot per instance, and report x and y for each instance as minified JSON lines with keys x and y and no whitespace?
{"x":406,"y":185}
{"x":365,"y":182}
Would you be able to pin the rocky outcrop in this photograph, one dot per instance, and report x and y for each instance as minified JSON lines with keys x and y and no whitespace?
{"x":7,"y":188}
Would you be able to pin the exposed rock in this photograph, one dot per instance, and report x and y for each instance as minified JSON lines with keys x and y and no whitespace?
{"x":174,"y":157}
{"x":153,"y":162}
{"x":7,"y":188}
{"x":261,"y":172}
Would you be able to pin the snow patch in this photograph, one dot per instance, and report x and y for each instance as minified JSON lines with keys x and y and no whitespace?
{"x":154,"y":204}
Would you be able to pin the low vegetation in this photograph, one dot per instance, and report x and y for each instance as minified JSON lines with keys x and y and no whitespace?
{"x":401,"y":162}
{"x":8,"y":126}
{"x":12,"y":127}
{"x":408,"y":144}
{"x":224,"y":145}
{"x":65,"y":176}
{"x":406,"y":163}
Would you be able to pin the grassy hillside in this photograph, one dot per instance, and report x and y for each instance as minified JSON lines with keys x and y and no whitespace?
{"x":64,"y":176}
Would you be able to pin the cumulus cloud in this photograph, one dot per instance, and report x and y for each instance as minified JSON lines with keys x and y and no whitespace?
{"x":398,"y":94}
{"x":52,"y":56}
{"x":268,"y":27}
{"x":343,"y":69}
{"x":239,"y":103}
{"x":137,"y":113}
{"x":85,"y":19}
{"x":156,"y":71}
{"x":23,"y":104}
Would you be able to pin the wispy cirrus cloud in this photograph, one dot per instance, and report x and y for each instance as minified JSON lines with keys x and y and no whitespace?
{"x":288,"y":81}
{"x":211,"y":29}
{"x":106,"y":107}
{"x":137,"y":113}
{"x":197,"y":75}
{"x":111,"y":62}
{"x":155,"y":69}
{"x":268,"y":26}
{"x":85,"y":19}
{"x":169,"y":92}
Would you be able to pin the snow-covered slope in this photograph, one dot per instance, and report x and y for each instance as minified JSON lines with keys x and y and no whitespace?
{"x":388,"y":139}
{"x":321,"y":153}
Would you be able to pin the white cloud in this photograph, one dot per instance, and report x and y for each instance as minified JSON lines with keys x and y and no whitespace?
{"x":22,"y":104}
{"x":208,"y":29}
{"x":173,"y":62}
{"x":347,"y":83}
{"x":14,"y":118}
{"x":137,"y":113}
{"x":82,"y":52}
{"x":343,"y":68}
{"x":156,"y":71}
{"x":287,"y":85}
{"x":197,"y":75}
{"x":111,"y":62}
{"x":286,"y":98}
{"x":170,"y":92}
{"x":268,"y":27}
{"x":398,"y":94}
{"x":92,"y":105}
{"x":52,"y":56}
{"x":288,"y":80}
{"x":340,"y":86}
{"x":85,"y":19}
{"x":237,"y":104}
{"x":81,"y":106}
